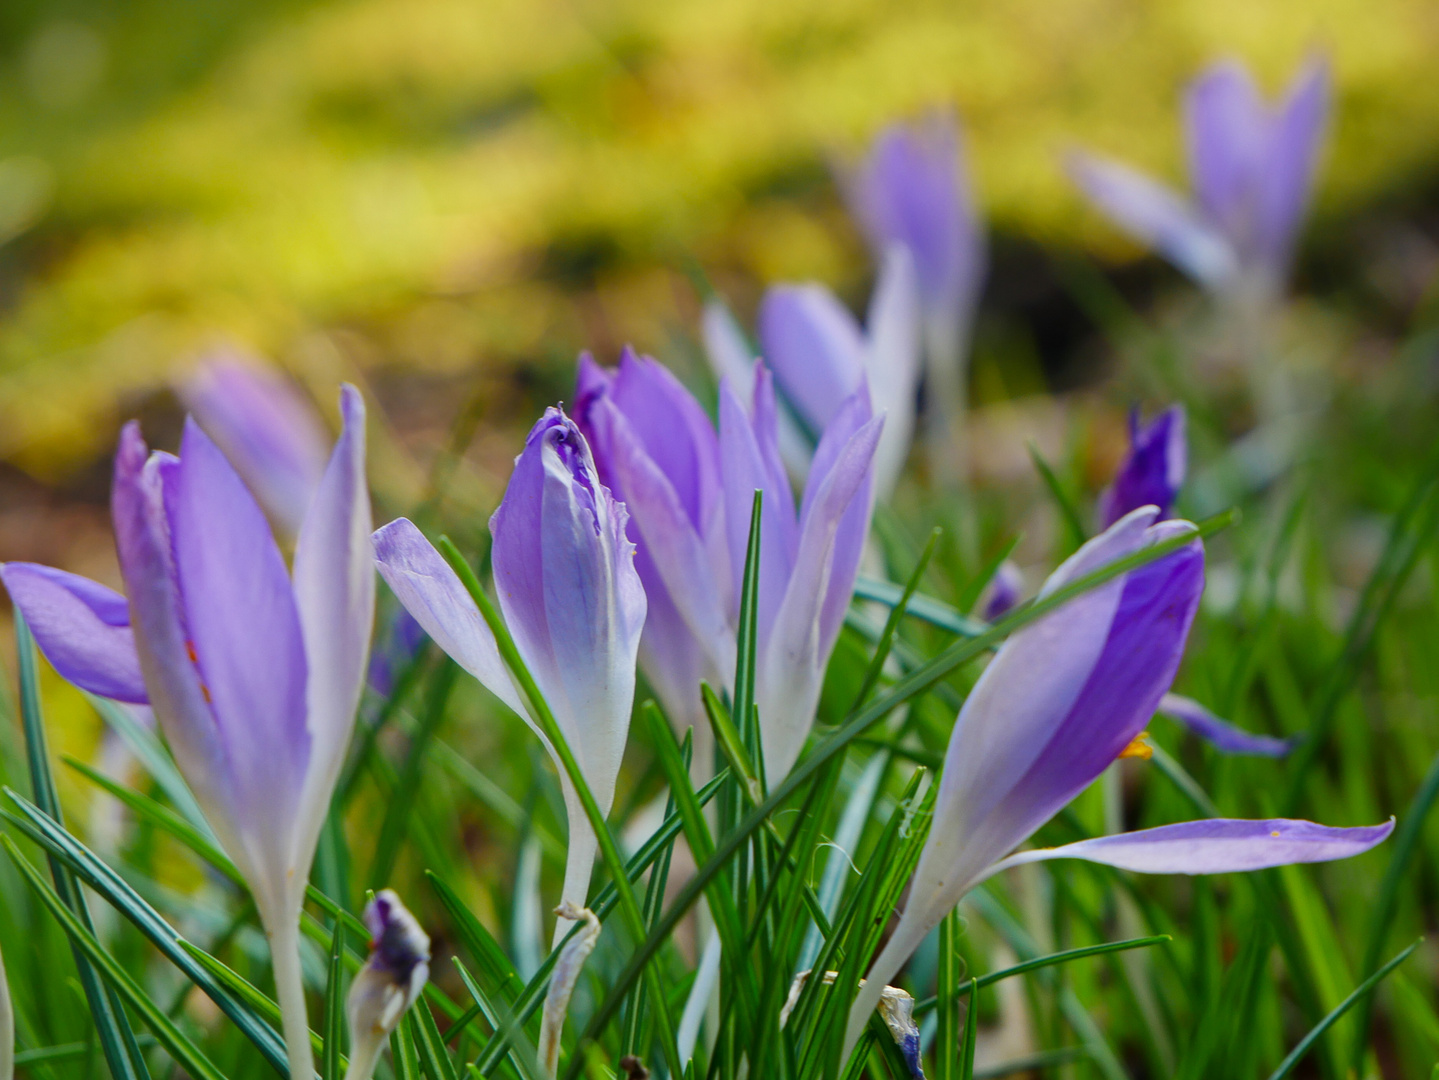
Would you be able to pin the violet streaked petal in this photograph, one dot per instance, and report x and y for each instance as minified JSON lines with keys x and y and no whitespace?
{"x":795,"y":650}
{"x":892,"y":362}
{"x":1221,"y":734}
{"x":1153,"y":471}
{"x":248,"y":645}
{"x":1296,"y":136}
{"x":814,"y":347}
{"x":142,"y":541}
{"x":334,"y":589}
{"x":690,"y":567}
{"x":1156,"y":216}
{"x":268,"y":431}
{"x":1228,"y":126}
{"x":749,"y":462}
{"x":82,"y":627}
{"x":431,"y":591}
{"x":1217,"y":846}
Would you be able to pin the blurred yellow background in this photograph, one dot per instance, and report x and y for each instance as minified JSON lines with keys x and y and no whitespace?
{"x":435,"y":184}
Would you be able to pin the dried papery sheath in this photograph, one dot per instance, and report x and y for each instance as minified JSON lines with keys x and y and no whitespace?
{"x":388,"y":984}
{"x":562,"y":980}
{"x":896,"y":1009}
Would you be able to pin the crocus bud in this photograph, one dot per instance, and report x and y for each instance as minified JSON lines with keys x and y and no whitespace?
{"x":1251,"y":165}
{"x":388,"y":984}
{"x":1063,"y":698}
{"x":1002,"y":592}
{"x":1152,"y":473}
{"x":269,"y":431}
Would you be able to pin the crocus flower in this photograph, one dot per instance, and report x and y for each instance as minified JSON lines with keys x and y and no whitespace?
{"x":570,"y":596}
{"x":912,"y":191}
{"x":1003,"y":591}
{"x":820,"y":356}
{"x":1252,"y":167}
{"x":253,"y":669}
{"x":388,"y":984}
{"x":690,"y":497}
{"x":1063,"y":698}
{"x":1152,"y":473}
{"x":269,"y":431}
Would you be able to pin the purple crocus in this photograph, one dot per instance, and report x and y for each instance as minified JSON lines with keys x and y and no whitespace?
{"x":690,"y":496}
{"x":912,"y":191}
{"x":389,"y":983}
{"x":1003,"y":591}
{"x":1062,"y":699}
{"x":567,"y":587}
{"x":820,"y":357}
{"x":253,"y":669}
{"x":268,"y":430}
{"x":1252,"y":167}
{"x":1153,"y":471}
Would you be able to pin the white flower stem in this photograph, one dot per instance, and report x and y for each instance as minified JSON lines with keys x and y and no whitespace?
{"x":290,"y":993}
{"x":364,"y":1055}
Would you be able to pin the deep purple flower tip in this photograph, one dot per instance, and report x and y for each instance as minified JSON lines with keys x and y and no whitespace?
{"x":1153,"y":471}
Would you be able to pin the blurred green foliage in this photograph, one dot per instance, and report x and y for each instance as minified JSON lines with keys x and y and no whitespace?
{"x":430,"y":183}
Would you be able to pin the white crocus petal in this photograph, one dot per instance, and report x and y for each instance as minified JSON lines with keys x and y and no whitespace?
{"x":431,"y":591}
{"x":892,"y":363}
{"x":334,"y":581}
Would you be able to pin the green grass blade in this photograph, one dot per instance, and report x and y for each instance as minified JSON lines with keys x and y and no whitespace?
{"x":434,"y":1058}
{"x":117,"y":1038}
{"x":891,"y":624}
{"x":1287,"y":1065}
{"x":175,"y":1042}
{"x":971,"y":1030}
{"x":154,"y":758}
{"x":747,"y":633}
{"x":924,"y":608}
{"x":62,"y":846}
{"x":1068,"y":512}
{"x":334,"y":1007}
{"x":506,"y":1027}
{"x":947,"y":1039}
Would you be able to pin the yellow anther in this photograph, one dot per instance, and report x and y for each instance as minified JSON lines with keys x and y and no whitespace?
{"x":1274,"y":833}
{"x":1139,"y":747}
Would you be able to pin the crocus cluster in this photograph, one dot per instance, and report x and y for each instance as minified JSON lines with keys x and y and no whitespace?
{"x":690,"y":493}
{"x":1251,"y":166}
{"x":253,"y":668}
{"x":1062,"y":699}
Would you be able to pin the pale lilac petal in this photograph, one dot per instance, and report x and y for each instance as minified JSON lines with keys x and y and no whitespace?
{"x":1154,"y":469}
{"x":142,"y":541}
{"x":750,"y":462}
{"x":1228,"y":127}
{"x":245,"y":631}
{"x":892,"y":362}
{"x":270,"y":433}
{"x":430,"y":590}
{"x":1220,"y":733}
{"x":814,"y":347}
{"x":1286,"y":182}
{"x":729,"y":352}
{"x":82,"y":627}
{"x":1217,"y":846}
{"x":795,"y":650}
{"x":515,"y":557}
{"x":334,"y":589}
{"x":1156,"y":216}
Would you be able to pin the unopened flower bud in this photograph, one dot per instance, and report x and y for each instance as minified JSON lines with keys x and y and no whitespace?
{"x":389,"y":983}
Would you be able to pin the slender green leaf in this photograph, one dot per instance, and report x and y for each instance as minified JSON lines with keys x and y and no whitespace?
{"x":334,"y":1007}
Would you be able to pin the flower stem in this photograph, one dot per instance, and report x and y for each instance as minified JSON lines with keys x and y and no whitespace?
{"x":290,"y":993}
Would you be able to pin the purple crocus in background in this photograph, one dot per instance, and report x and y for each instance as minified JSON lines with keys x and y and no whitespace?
{"x":1062,"y":699}
{"x":254,"y":670}
{"x":269,"y":431}
{"x":912,"y":191}
{"x":389,"y":983}
{"x":1153,"y":471}
{"x":690,"y":496}
{"x":567,"y":587}
{"x":1252,"y":168}
{"x":820,"y":356}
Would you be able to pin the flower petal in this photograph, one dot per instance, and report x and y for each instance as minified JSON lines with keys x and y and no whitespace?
{"x":268,"y":431}
{"x":82,"y":627}
{"x":1220,"y":733}
{"x":334,"y":588}
{"x":1156,"y":216}
{"x":431,"y":591}
{"x":834,"y":523}
{"x":1154,"y":469}
{"x":814,"y":347}
{"x":1216,"y":846}
{"x":248,"y":645}
{"x":727,"y":349}
{"x":892,"y":361}
{"x":1296,"y":139}
{"x":1228,"y":128}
